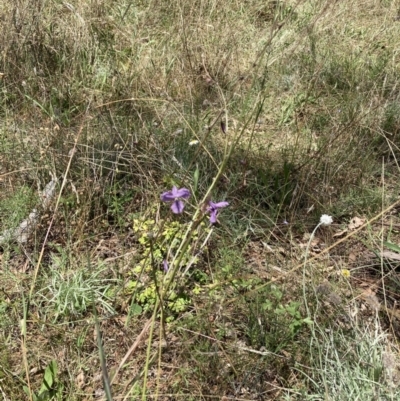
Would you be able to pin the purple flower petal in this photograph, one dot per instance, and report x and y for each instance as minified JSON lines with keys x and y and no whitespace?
{"x":218,"y":205}
{"x":213,"y":216}
{"x":213,"y":210}
{"x":165,"y":265}
{"x":167,"y":196}
{"x":177,"y":206}
{"x":181,"y":193}
{"x":175,"y":196}
{"x":175,"y":193}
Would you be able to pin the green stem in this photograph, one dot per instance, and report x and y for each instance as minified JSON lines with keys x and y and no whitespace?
{"x":199,"y":214}
{"x":304,"y":268}
{"x":146,"y":367}
{"x":176,"y":262}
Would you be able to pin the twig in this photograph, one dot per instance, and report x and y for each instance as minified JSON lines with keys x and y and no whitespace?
{"x":72,"y":152}
{"x":132,"y":349}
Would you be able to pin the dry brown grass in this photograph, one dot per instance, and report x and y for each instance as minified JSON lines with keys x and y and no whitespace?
{"x":311,"y":89}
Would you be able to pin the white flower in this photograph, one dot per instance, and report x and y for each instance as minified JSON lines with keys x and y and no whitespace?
{"x":193,"y":142}
{"x":325,"y":220}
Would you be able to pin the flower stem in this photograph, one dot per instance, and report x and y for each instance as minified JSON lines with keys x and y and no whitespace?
{"x":304,"y":268}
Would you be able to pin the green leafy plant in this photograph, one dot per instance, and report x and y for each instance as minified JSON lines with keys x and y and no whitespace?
{"x":273,"y":321}
{"x":14,"y":209}
{"x":71,"y":292}
{"x":50,"y":388}
{"x":158,"y":241}
{"x":161,"y":239}
{"x":117,"y":199}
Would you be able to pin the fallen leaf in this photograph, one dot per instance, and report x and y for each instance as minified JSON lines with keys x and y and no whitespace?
{"x":371,"y":299}
{"x":80,"y":379}
{"x":356,"y":222}
{"x":340,"y":233}
{"x":390,"y":255}
{"x":352,"y":257}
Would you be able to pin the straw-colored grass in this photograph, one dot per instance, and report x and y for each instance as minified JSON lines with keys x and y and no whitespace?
{"x":293,"y":106}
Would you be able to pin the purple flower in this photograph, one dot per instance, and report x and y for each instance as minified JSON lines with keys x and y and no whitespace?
{"x":175,"y":196}
{"x":213,"y":209}
{"x":165,"y":265}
